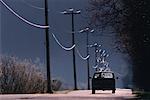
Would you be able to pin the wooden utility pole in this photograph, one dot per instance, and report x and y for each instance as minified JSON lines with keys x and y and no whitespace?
{"x":49,"y":88}
{"x":72,"y":13}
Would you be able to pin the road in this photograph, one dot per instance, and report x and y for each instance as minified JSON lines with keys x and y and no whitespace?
{"x":121,"y":94}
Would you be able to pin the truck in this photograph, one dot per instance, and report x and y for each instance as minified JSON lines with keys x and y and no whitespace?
{"x":103,"y":81}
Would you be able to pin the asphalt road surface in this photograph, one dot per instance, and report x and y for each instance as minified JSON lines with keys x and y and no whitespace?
{"x":121,"y":94}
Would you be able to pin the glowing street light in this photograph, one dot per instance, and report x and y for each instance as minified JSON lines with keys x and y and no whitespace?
{"x":96,"y":46}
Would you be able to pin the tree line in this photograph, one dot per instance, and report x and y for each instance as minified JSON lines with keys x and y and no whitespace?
{"x":130,"y":19}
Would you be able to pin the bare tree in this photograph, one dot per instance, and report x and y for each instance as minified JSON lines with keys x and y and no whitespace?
{"x":130,"y":20}
{"x":105,"y":13}
{"x":18,"y":76}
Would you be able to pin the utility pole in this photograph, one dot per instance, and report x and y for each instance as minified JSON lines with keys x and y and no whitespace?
{"x":49,"y":88}
{"x":72,"y":13}
{"x":96,"y":46}
{"x":87,"y":30}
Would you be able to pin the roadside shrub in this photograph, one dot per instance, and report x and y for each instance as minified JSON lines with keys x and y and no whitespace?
{"x":56,"y":84}
{"x":18,"y":76}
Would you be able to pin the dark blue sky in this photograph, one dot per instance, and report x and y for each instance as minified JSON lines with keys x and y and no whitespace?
{"x":24,"y":41}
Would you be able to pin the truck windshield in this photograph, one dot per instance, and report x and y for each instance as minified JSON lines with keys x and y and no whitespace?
{"x":106,"y":75}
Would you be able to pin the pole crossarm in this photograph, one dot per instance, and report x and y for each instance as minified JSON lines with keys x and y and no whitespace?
{"x":71,"y":11}
{"x":87,"y":30}
{"x":95,"y":45}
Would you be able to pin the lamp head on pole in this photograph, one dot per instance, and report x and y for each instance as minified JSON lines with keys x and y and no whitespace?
{"x":64,"y":12}
{"x":70,"y":9}
{"x":78,"y":11}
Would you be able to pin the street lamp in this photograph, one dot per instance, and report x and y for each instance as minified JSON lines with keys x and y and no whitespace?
{"x":87,"y":30}
{"x":72,"y":13}
{"x":96,"y":46}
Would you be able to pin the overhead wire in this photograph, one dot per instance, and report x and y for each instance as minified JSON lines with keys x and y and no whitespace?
{"x":42,"y":26}
{"x":70,"y":48}
{"x":32,"y":6}
{"x":63,"y":47}
{"x":84,"y":58}
{"x":21,"y":18}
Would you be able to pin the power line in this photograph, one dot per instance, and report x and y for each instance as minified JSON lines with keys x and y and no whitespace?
{"x":70,"y":48}
{"x":32,"y":6}
{"x":65,"y":48}
{"x":84,"y":58}
{"x":23,"y":19}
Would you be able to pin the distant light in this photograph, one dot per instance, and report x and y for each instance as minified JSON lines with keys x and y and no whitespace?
{"x":100,"y":50}
{"x":98,"y":59}
{"x":107,"y":55}
{"x":64,"y":12}
{"x":81,"y":31}
{"x":95,"y":66}
{"x":71,"y":9}
{"x":95,"y":44}
{"x":86,"y":29}
{"x":96,"y":50}
{"x":90,"y":45}
{"x":103,"y":52}
{"x":92,"y":31}
{"x":78,"y":11}
{"x":99,"y":45}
